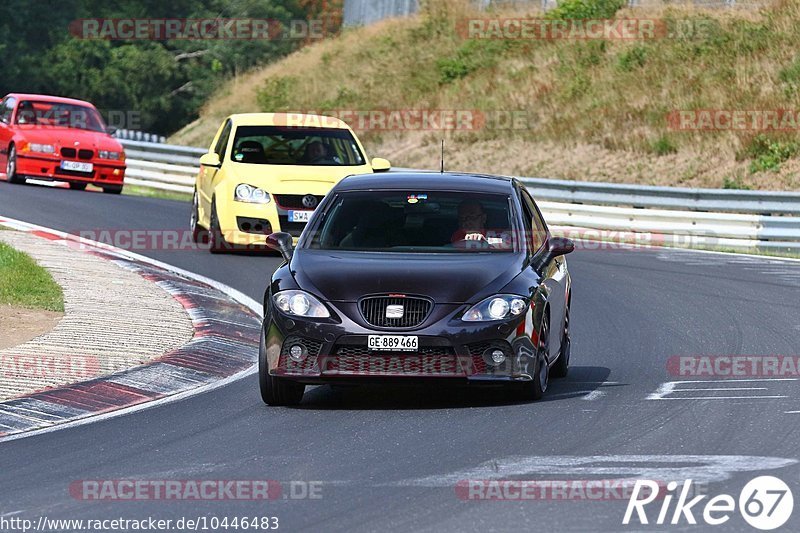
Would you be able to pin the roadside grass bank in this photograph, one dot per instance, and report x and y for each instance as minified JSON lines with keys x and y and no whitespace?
{"x":598,"y":110}
{"x":23,"y":283}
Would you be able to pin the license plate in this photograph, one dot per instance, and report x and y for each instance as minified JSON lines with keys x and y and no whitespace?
{"x":299,"y":216}
{"x":77,"y":166}
{"x":393,"y":343}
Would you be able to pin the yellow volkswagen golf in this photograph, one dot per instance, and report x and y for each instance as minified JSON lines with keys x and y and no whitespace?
{"x":267,"y":172}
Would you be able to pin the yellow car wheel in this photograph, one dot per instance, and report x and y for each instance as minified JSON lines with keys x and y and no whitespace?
{"x":216,"y":241}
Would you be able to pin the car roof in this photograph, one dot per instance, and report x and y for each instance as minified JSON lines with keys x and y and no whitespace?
{"x":302,"y":120}
{"x":49,"y":98}
{"x":427,"y":181}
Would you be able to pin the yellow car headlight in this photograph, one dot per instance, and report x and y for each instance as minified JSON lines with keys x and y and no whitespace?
{"x":249,"y":194}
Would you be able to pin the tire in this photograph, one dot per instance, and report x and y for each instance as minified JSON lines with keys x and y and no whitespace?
{"x":216,"y":241}
{"x":199,"y":233}
{"x":534,"y":390}
{"x":113,"y":190}
{"x":561,"y":368}
{"x":276,"y":391}
{"x":11,"y":167}
{"x":77,"y":186}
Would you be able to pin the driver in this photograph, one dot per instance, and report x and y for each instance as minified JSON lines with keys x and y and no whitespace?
{"x":316,"y":152}
{"x":471,"y":222}
{"x":472,"y":226}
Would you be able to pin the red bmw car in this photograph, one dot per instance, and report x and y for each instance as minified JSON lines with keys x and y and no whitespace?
{"x":58,"y":139}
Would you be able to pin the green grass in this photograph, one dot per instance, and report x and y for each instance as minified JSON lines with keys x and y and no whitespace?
{"x":133,"y":190}
{"x":24,"y":283}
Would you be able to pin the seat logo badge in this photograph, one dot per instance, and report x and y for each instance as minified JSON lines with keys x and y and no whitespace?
{"x":310,"y":201}
{"x":394,"y":311}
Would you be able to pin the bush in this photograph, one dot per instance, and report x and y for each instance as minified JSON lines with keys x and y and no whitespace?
{"x":663,"y":146}
{"x":768,"y":154}
{"x":276,"y":95}
{"x":633,"y":58}
{"x":471,"y":56}
{"x":586,"y":9}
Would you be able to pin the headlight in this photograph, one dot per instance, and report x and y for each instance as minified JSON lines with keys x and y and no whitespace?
{"x":117,"y":156}
{"x":497,"y":307}
{"x":41,"y":148}
{"x":248,"y":193}
{"x":300,"y":303}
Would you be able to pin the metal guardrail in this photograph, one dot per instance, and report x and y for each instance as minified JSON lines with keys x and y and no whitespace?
{"x":724,"y":200}
{"x":744,"y":220}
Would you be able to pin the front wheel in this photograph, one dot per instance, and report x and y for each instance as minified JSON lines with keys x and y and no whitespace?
{"x":77,"y":186}
{"x":11,"y":167}
{"x":534,"y":390}
{"x":198,"y":231}
{"x":561,"y":368}
{"x":276,"y":391}
{"x":113,"y":190}
{"x":216,"y":241}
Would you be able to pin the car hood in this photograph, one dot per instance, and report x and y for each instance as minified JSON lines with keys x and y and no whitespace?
{"x":293,"y":178}
{"x":447,"y":278}
{"x":69,"y":136}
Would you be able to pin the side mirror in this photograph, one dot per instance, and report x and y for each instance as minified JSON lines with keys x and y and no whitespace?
{"x":559,"y":246}
{"x":380,"y":164}
{"x":281,"y":242}
{"x":111,"y":130}
{"x":210,"y":159}
{"x":555,"y":247}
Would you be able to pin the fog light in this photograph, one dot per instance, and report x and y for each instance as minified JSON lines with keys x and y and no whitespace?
{"x":494,"y":356}
{"x":297,"y":352}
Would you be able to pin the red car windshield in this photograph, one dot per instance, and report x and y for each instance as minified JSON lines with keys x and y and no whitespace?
{"x":58,"y":115}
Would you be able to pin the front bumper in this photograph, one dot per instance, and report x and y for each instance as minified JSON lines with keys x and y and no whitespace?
{"x":246,"y":224}
{"x":448,"y":349}
{"x":49,"y":168}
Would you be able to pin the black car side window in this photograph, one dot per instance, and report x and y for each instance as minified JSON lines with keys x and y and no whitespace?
{"x":536,"y":225}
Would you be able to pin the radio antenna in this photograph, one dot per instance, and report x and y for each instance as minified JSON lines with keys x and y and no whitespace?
{"x":442,"y":167}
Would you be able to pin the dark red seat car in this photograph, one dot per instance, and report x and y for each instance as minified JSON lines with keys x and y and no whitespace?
{"x":53,"y":138}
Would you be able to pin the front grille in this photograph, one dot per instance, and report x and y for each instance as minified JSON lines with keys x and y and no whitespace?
{"x":69,"y":152}
{"x":294,"y":201}
{"x":309,"y":363}
{"x":292,"y":228}
{"x":360,"y":351}
{"x":476,"y":354}
{"x":85,"y":154}
{"x":415,"y":311}
{"x":415,"y":364}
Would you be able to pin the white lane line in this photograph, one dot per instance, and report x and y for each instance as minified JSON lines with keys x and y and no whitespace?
{"x":721,"y":398}
{"x":594,"y":395}
{"x":792,"y":412}
{"x":729,"y":380}
{"x":705,"y":468}
{"x":669,"y":387}
{"x":719,"y":389}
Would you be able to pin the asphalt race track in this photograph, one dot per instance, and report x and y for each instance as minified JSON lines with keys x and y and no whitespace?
{"x":391,"y":459}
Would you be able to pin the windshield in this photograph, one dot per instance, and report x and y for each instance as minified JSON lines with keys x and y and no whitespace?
{"x":58,"y":115}
{"x":416,"y":221}
{"x":277,"y":145}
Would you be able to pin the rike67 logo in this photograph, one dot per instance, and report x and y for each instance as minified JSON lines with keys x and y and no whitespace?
{"x":765,"y":503}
